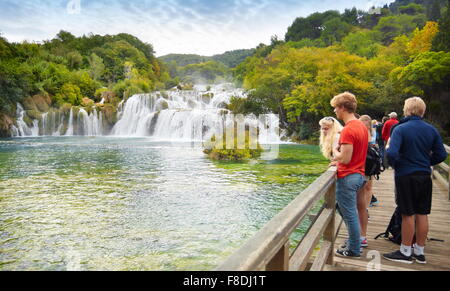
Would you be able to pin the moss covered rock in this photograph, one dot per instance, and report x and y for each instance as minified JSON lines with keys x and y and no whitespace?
{"x":162,"y":105}
{"x":109,"y":96}
{"x":87,"y":102}
{"x":185,"y":86}
{"x":6,"y":122}
{"x":164,"y":95}
{"x":65,"y":108}
{"x":206,"y":98}
{"x":99,"y":94}
{"x":28,"y":104}
{"x":42,"y":101}
{"x":109,"y":114}
{"x":34,"y":114}
{"x":39,"y":102}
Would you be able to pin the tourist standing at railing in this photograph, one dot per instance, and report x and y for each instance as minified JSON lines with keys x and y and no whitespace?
{"x":415,"y":146}
{"x":365,"y":195}
{"x":330,"y":131}
{"x":350,"y":158}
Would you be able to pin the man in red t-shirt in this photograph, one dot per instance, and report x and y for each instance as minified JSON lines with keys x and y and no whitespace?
{"x":350,"y":158}
{"x":386,"y":132}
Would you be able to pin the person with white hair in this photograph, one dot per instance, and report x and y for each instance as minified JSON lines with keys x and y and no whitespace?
{"x":415,"y":146}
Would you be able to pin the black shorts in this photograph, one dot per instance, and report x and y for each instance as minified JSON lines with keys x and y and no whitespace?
{"x":413,"y":193}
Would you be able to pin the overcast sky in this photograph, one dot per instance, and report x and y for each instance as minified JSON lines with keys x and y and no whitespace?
{"x":204,"y":27}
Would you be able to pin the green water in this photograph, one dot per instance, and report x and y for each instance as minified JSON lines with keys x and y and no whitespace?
{"x":134,"y":204}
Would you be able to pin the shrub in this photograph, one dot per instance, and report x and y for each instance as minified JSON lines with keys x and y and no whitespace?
{"x":233,"y":154}
{"x":69,"y":93}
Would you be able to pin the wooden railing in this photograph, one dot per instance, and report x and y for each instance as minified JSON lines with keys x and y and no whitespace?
{"x":445,"y":168}
{"x":269,"y":248}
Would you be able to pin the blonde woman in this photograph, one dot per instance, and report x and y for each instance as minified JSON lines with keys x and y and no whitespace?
{"x":330,"y":129}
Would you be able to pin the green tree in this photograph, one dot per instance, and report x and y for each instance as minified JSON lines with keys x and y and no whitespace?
{"x":434,"y":12}
{"x":75,"y":59}
{"x":65,"y":36}
{"x":334,"y":30}
{"x":97,"y":68}
{"x":15,"y":82}
{"x":428,"y":75}
{"x":85,"y":83}
{"x":206,"y":72}
{"x":363,"y":43}
{"x":69,"y":93}
{"x":392,"y":26}
{"x":442,"y":40}
{"x":332,"y":73}
{"x":351,"y":16}
{"x":411,"y":9}
{"x":397,"y":51}
{"x":309,"y":27}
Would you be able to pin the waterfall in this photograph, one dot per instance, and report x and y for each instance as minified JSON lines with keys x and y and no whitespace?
{"x":184,"y":115}
{"x":22,"y":128}
{"x":171,"y":116}
{"x":89,"y":124}
{"x":70,"y":127}
{"x":52,"y":124}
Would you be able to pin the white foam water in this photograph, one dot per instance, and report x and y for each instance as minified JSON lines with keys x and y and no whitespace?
{"x":169,"y":116}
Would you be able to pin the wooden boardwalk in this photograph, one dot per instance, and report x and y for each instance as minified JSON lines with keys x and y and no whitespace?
{"x":437,"y":253}
{"x":270,"y":248}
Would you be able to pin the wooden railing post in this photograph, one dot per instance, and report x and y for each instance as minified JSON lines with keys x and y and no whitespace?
{"x":280,"y":262}
{"x":329,"y":233}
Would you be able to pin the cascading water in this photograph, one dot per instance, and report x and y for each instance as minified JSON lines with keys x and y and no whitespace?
{"x":182,"y":115}
{"x":70,"y":126}
{"x":55,"y":123}
{"x":172,"y":115}
{"x":89,"y":124}
{"x":22,"y":128}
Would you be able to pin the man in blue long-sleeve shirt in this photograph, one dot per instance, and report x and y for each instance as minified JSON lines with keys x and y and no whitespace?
{"x":415,"y":146}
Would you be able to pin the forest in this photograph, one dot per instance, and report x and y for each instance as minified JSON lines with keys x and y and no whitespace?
{"x":383,"y":56}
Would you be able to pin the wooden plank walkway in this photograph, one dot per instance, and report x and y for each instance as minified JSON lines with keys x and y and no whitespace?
{"x":437,"y":253}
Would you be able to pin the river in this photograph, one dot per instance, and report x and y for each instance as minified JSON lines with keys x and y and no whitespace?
{"x":109,"y":203}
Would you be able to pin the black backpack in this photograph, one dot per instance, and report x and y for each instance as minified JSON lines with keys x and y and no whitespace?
{"x":374,"y":163}
{"x":394,"y":230}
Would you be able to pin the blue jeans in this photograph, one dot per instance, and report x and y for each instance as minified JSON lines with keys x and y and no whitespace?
{"x":346,"y":193}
